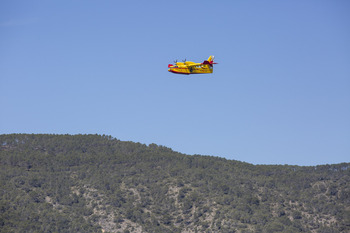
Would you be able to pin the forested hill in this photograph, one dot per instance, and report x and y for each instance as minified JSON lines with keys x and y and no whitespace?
{"x":93,"y":183}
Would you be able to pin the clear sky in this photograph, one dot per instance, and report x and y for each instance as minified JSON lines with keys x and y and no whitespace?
{"x":279,"y":95}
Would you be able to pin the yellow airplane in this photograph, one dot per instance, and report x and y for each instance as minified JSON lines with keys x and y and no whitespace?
{"x":188,"y":67}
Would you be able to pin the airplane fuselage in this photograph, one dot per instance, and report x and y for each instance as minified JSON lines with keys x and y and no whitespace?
{"x":184,"y":68}
{"x":188,"y":67}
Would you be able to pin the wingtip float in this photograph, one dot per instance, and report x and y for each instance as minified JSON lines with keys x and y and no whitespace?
{"x":188,"y":67}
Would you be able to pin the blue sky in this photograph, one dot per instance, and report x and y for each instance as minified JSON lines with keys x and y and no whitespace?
{"x":279,"y":95}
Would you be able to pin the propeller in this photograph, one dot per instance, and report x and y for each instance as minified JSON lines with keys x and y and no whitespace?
{"x":184,"y":60}
{"x":175,"y":62}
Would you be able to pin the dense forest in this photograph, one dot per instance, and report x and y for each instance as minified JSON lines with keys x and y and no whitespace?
{"x":96,"y":183}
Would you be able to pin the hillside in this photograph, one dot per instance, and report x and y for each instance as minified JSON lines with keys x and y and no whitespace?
{"x":93,"y":183}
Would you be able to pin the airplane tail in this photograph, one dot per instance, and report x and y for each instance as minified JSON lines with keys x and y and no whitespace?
{"x":210,"y":61}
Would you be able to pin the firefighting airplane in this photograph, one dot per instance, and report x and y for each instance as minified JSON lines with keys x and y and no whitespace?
{"x":188,"y":67}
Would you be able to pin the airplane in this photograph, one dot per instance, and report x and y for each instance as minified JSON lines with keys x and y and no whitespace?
{"x":188,"y":67}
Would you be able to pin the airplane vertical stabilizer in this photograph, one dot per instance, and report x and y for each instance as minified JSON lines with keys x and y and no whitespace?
{"x":211,"y":58}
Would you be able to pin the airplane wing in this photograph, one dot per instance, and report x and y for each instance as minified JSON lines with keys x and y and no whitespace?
{"x":194,"y":64}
